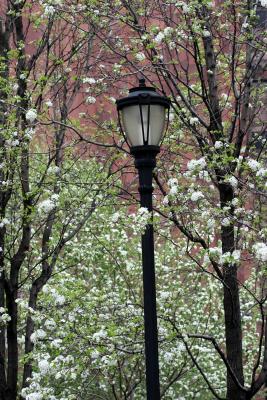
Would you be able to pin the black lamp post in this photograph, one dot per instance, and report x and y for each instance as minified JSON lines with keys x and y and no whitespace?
{"x":143,"y":120}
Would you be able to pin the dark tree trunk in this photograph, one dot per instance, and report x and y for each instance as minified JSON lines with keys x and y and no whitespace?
{"x":12,"y":343}
{"x":233,"y":332}
{"x":4,"y":73}
{"x":2,"y":346}
{"x":34,"y":291}
{"x":27,"y":370}
{"x":232,"y":315}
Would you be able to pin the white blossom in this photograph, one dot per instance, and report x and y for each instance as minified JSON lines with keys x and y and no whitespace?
{"x":140,"y":56}
{"x":226,"y":221}
{"x":115,"y":217}
{"x":38,"y":334}
{"x":58,"y":375}
{"x":260,"y":250}
{"x":90,"y":100}
{"x":31,"y":396}
{"x":199,"y":164}
{"x":245,"y":25}
{"x":236,"y":255}
{"x":253,"y":164}
{"x":143,"y":211}
{"x":172,"y":45}
{"x":12,"y":143}
{"x":235,"y":201}
{"x":56,"y":343}
{"x":168,"y":31}
{"x":53,"y":169}
{"x":15,"y":143}
{"x":173,"y":190}
{"x":215,"y":251}
{"x":239,"y":211}
{"x":172,"y":182}
{"x":140,"y":219}
{"x":102,"y":334}
{"x":164,"y":295}
{"x":263,"y":3}
{"x":31,"y":115}
{"x":165,"y":201}
{"x":54,"y":197}
{"x":46,"y":206}
{"x":49,"y":103}
{"x":262,"y":172}
{"x":204,"y":175}
{"x":211,"y":223}
{"x":233,"y":181}
{"x":229,"y":257}
{"x":15,"y":87}
{"x":116,"y":67}
{"x":206,"y":33}
{"x":160,"y":36}
{"x":29,"y":133}
{"x":50,"y":324}
{"x":49,"y":10}
{"x":43,"y":366}
{"x":218,"y":144}
{"x":59,"y":299}
{"x":91,"y":81}
{"x":195,"y":196}
{"x":4,"y":318}
{"x":168,"y":356}
{"x":186,"y":8}
{"x":193,"y":120}
{"x":224,"y":96}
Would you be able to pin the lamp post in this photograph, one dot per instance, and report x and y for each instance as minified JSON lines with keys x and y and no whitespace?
{"x":143,"y":120}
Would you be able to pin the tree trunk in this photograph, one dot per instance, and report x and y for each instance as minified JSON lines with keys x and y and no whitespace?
{"x":233,"y":332}
{"x":232,"y":314}
{"x":12,"y":343}
{"x":27,"y":371}
{"x":4,"y":73}
{"x":2,"y":346}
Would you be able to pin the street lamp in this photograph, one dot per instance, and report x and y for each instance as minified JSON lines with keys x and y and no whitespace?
{"x":143,"y":117}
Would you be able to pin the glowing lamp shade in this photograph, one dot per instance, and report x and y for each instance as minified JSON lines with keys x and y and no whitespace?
{"x":143,"y":116}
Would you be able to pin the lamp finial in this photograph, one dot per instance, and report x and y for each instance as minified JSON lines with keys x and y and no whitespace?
{"x":142,"y":82}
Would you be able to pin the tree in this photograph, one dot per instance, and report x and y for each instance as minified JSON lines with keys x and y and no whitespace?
{"x":210,"y":59}
{"x":210,"y":200}
{"x":90,"y":345}
{"x":44,"y":77}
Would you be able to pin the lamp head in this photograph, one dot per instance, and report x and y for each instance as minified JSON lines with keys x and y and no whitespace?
{"x":143,"y":116}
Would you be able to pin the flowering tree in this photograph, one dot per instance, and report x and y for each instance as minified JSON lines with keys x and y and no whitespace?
{"x":91,"y":345}
{"x":211,"y":60}
{"x":210,"y":201}
{"x":210,"y":193}
{"x":45,"y":69}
